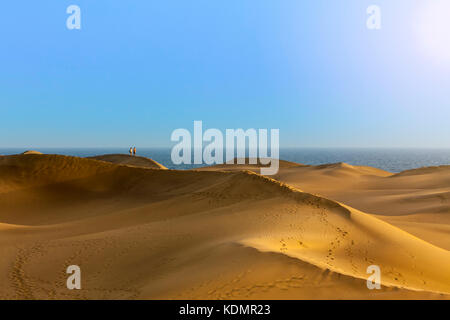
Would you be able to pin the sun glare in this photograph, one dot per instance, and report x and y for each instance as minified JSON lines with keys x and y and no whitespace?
{"x":433,"y":27}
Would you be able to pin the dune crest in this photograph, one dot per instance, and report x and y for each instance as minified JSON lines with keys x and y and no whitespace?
{"x":425,"y":170}
{"x":32,"y":152}
{"x":125,"y":159}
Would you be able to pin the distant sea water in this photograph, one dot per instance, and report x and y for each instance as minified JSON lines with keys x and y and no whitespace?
{"x":393,"y":160}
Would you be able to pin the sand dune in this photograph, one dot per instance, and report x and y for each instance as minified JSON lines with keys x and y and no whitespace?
{"x":422,"y":171}
{"x":32,"y":152}
{"x":125,"y":159}
{"x":414,"y":200}
{"x":151,"y":234}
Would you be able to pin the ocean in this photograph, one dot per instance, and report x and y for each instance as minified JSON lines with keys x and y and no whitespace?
{"x":393,"y":160}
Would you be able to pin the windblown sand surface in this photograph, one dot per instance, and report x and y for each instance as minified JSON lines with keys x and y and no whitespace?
{"x":151,"y":233}
{"x":417,"y":201}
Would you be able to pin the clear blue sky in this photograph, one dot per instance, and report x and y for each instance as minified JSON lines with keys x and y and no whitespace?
{"x":137,"y":70}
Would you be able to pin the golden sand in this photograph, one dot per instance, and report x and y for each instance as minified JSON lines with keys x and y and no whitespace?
{"x":138,"y":231}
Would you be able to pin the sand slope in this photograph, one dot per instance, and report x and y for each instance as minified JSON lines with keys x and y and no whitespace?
{"x":414,"y":200}
{"x":150,"y":233}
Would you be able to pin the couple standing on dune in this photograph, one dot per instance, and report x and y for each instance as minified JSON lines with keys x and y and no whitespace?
{"x":132,"y":151}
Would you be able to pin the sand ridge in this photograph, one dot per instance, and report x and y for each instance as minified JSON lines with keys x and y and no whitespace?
{"x":125,"y":159}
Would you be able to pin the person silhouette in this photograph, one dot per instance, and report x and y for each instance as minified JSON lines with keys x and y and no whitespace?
{"x":131,"y":151}
{"x":134,"y":151}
